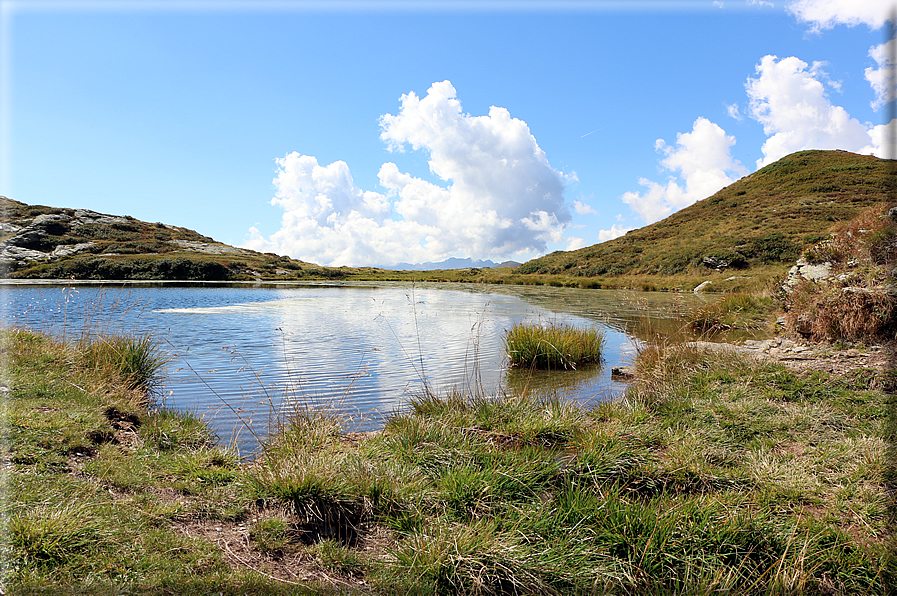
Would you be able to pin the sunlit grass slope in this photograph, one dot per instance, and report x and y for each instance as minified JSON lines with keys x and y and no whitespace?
{"x":764,"y":219}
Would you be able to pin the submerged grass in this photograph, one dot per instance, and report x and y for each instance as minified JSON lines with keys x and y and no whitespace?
{"x":552,"y":345}
{"x":714,"y":474}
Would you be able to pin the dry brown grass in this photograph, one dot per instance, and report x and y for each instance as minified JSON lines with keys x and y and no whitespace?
{"x":857,"y":302}
{"x":867,"y":238}
{"x":826,"y":312}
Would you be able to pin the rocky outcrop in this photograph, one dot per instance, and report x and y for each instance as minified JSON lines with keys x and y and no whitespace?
{"x":715,"y":263}
{"x":32,"y":242}
{"x":82,"y":217}
{"x":38,"y":239}
{"x":65,"y":250}
{"x":10,"y":253}
{"x":43,"y":242}
{"x":210,"y":248}
{"x":26,"y":243}
{"x":805,"y":270}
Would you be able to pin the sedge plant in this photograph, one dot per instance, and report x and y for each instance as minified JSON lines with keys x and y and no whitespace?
{"x":553,"y":345}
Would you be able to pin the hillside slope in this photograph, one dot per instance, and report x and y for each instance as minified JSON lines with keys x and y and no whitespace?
{"x":60,"y":243}
{"x":764,"y":218}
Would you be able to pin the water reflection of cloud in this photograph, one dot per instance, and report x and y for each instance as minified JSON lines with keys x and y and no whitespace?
{"x":377,"y":348}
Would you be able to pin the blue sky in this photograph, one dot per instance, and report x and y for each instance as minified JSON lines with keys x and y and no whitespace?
{"x":370,"y":133}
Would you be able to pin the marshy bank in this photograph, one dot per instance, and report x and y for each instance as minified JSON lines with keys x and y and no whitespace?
{"x":716,"y":472}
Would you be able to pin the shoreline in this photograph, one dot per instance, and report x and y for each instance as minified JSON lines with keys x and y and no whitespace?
{"x":463,"y":491}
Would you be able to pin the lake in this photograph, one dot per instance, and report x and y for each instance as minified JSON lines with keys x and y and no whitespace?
{"x":243,"y":354}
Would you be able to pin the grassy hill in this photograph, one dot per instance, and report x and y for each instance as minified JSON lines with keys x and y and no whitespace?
{"x":765,"y":219}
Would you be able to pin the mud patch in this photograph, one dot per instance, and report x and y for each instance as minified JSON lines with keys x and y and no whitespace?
{"x":122,"y":420}
{"x":297,"y":566}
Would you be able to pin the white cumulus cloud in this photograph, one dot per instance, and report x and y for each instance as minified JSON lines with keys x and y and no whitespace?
{"x":884,"y":78}
{"x":702,"y":164}
{"x":575,"y":243}
{"x":583,"y":208}
{"x":499,"y":196}
{"x":884,"y":140}
{"x":614,"y":232}
{"x":789,"y":100}
{"x":826,"y":14}
{"x":734,"y":111}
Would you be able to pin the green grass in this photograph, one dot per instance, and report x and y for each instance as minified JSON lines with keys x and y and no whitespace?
{"x":136,"y":361}
{"x":714,"y":474}
{"x":84,"y":508}
{"x":734,"y":311}
{"x":552,"y":345}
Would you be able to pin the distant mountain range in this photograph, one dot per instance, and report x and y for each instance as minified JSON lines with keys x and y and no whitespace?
{"x":452,"y":263}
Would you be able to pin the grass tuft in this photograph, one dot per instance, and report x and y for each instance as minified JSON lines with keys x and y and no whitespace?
{"x":136,"y":361}
{"x":55,"y":533}
{"x":553,"y":345}
{"x":733,"y":311}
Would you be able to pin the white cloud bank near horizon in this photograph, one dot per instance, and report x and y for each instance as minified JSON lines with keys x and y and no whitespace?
{"x":500,"y":196}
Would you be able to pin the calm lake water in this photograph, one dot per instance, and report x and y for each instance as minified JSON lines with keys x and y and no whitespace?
{"x":244,"y":354}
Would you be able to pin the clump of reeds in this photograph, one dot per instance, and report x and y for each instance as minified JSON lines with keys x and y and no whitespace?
{"x":135,"y":360}
{"x":552,"y":345}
